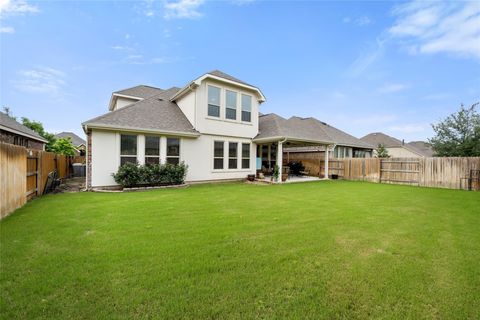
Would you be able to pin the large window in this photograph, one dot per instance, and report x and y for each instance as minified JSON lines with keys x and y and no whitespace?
{"x":245,"y":155}
{"x":232,"y":155}
{"x":218,"y":155}
{"x":173,"y":150}
{"x":231,"y":105}
{"x":246,"y":108}
{"x":152,"y":150}
{"x":213,"y":101}
{"x":128,"y":148}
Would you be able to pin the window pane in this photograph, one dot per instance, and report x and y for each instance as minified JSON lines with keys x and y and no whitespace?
{"x":231,"y":100}
{"x":232,"y":149}
{"x":152,"y":146}
{"x":173,"y":160}
{"x":152,"y":160}
{"x":245,"y":163}
{"x":246,"y":116}
{"x":128,"y":144}
{"x":245,"y":150}
{"x":246,"y":103}
{"x":124,"y":160}
{"x":231,"y":114}
{"x":218,"y":152}
{"x":218,"y":163}
{"x":213,"y":111}
{"x":173,"y":147}
{"x":232,"y":164}
{"x":213,"y":95}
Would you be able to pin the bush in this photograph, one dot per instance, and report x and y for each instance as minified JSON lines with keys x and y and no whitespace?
{"x":131,"y":175}
{"x":296,"y":167}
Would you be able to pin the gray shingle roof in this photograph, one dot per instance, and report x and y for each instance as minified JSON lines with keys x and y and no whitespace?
{"x":308,"y":129}
{"x":223,"y":75}
{"x":377,"y":138}
{"x":141,"y":91}
{"x":421,"y":147}
{"x":76,"y":140}
{"x":156,"y":113}
{"x":10,"y":123}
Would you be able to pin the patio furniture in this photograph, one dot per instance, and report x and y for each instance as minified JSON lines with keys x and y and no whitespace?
{"x":52,"y":182}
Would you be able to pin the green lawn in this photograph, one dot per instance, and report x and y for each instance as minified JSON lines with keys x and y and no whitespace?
{"x":311,"y":250}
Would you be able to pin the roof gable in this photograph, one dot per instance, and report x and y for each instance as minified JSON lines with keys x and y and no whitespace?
{"x":376,"y":138}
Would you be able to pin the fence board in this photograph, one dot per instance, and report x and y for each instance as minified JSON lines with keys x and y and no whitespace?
{"x":13,"y":167}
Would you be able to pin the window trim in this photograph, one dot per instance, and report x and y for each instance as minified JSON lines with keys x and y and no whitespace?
{"x":236,"y":155}
{"x":216,"y":157}
{"x":219,"y":102}
{"x":227,"y":107}
{"x":128,"y":155}
{"x":179,"y":150}
{"x":249,"y":154}
{"x":159,"y":149}
{"x":241,"y":107}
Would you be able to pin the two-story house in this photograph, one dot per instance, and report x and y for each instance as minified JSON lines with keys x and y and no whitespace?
{"x":212,"y":124}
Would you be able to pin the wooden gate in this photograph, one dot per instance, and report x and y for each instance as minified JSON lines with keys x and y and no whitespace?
{"x":403,"y":171}
{"x":32,"y":175}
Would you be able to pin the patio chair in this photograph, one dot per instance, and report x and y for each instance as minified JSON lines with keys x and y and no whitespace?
{"x":52,"y":182}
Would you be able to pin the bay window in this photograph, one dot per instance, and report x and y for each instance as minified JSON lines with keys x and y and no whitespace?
{"x":128,"y":149}
{"x":213,"y":101}
{"x":246,"y":108}
{"x":232,"y":155}
{"x":152,"y":150}
{"x":218,"y":155}
{"x":173,"y":150}
{"x":231,"y":105}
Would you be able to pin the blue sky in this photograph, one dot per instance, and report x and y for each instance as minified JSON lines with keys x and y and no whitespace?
{"x":394,"y":67}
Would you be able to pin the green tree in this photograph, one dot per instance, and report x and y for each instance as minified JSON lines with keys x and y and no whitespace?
{"x":38,"y":128}
{"x":64,"y":146}
{"x":382,"y":152}
{"x":458,"y":135}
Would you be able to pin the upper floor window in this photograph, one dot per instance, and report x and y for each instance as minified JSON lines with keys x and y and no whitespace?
{"x":213,"y":101}
{"x":231,"y":105}
{"x":246,"y":108}
{"x":128,"y":148}
{"x":152,"y":150}
{"x":173,"y":150}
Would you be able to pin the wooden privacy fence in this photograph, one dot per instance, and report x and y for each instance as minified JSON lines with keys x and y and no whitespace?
{"x":452,"y":173}
{"x":24,"y":173}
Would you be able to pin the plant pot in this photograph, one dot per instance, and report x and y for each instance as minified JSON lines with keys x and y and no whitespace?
{"x":284,"y":177}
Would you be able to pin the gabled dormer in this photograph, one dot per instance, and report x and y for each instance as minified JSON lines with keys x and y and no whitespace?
{"x":128,"y":96}
{"x":217,"y":103}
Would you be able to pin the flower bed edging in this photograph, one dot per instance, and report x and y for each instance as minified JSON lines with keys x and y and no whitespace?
{"x":176,"y":186}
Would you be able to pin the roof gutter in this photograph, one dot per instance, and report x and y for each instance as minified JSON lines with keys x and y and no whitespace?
{"x":139,"y":130}
{"x":285,"y":138}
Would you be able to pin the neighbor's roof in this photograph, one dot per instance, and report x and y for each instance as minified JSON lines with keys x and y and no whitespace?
{"x":76,"y":140}
{"x":377,"y":138}
{"x":156,"y":114}
{"x":141,"y":91}
{"x":421,"y":147}
{"x":304,"y":129}
{"x":9,"y":124}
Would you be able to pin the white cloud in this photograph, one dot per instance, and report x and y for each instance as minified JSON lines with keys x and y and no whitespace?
{"x":7,"y":30}
{"x":434,"y":27}
{"x":122,"y":48}
{"x":183,"y":9}
{"x":366,"y":59}
{"x":19,"y":7}
{"x":392,"y":87}
{"x":409,"y":128}
{"x":41,"y":80}
{"x":361,"y":21}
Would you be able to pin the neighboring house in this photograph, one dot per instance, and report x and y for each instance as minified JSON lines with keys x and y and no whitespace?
{"x":79,"y":144}
{"x":212,"y":125}
{"x":397,"y":148}
{"x":16,"y":133}
{"x":345,"y":145}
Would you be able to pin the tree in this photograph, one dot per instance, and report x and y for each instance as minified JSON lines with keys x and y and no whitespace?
{"x":38,"y":128}
{"x":8,"y":112}
{"x":458,"y":135}
{"x":64,"y":146}
{"x":382,"y":152}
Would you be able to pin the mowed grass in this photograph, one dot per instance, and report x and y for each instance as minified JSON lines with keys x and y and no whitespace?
{"x":312,"y":250}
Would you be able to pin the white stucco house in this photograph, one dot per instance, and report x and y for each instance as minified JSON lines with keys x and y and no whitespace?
{"x":212,"y":124}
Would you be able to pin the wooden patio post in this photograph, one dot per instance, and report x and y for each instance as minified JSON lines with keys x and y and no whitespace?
{"x":326,"y":162}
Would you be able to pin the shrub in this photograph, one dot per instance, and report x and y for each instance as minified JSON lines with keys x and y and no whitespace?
{"x":131,"y":175}
{"x":296,"y":167}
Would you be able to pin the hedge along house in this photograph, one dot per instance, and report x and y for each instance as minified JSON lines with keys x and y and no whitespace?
{"x":212,"y":125}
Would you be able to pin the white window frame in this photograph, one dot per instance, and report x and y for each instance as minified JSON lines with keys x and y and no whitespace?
{"x":241,"y":107}
{"x":219,"y":102}
{"x":179,"y":150}
{"x":128,"y":155}
{"x":249,"y":154}
{"x":217,"y":157}
{"x":159,"y":148}
{"x":228,"y":107}
{"x":235,"y":157}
